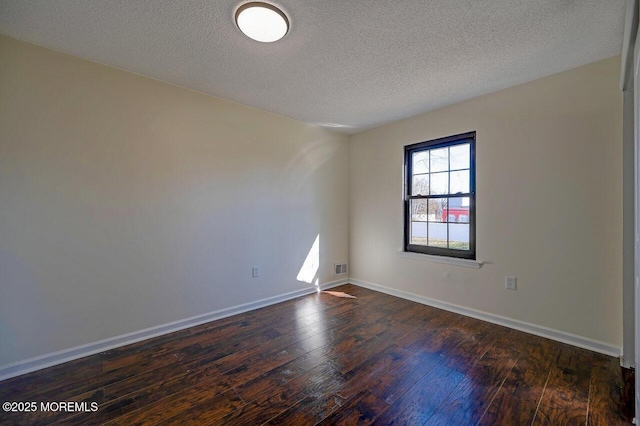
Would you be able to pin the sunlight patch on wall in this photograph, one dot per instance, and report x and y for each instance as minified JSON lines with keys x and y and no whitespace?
{"x":311,"y":263}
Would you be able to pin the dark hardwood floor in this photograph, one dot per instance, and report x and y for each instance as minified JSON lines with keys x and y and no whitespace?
{"x":325,"y":360}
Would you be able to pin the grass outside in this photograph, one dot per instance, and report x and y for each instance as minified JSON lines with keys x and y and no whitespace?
{"x":456,"y":245}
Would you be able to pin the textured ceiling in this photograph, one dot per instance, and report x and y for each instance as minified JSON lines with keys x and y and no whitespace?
{"x":347,"y":64}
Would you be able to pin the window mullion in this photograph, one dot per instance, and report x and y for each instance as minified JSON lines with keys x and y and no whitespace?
{"x":448,"y":191}
{"x":424,"y":197}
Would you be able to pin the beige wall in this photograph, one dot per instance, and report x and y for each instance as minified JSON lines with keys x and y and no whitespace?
{"x":549,"y":203}
{"x":127,"y":203}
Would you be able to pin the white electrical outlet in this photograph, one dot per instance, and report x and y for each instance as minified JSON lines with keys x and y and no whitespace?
{"x":255,"y":271}
{"x":510,"y":283}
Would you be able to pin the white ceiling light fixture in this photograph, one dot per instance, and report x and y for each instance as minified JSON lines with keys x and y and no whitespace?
{"x":262,"y":21}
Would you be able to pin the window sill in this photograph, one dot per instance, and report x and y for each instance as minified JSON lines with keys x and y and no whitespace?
{"x":476,"y":264}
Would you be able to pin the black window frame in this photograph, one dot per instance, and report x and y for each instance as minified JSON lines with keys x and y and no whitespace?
{"x":463,"y":138}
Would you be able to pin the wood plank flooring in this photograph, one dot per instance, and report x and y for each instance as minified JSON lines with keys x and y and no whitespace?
{"x":325,"y":360}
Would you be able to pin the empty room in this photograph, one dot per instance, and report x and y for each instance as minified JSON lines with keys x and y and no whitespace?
{"x":226,"y":212}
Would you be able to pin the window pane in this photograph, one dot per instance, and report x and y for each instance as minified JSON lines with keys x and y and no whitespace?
{"x":437,"y":234}
{"x":460,"y":155}
{"x":420,"y":162}
{"x":419,"y":233}
{"x":419,"y":210}
{"x":459,"y":236}
{"x":437,"y":208}
{"x":420,"y":185}
{"x":439,"y":160}
{"x":460,"y":182}
{"x":439,"y":183}
{"x":458,"y":210}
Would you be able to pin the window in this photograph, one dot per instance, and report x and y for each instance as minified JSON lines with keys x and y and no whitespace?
{"x":440,"y":197}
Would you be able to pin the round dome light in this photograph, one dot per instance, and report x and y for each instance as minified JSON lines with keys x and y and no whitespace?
{"x":262,"y":22}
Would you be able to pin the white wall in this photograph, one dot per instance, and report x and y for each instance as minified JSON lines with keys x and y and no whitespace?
{"x":549,"y":204}
{"x":127,"y":203}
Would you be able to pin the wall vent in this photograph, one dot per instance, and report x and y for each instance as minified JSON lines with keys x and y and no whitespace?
{"x":341,"y":268}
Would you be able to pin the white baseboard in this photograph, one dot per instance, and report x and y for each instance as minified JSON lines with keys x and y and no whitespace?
{"x":54,"y":358}
{"x":557,"y":335}
{"x":60,"y":357}
{"x":626,"y":363}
